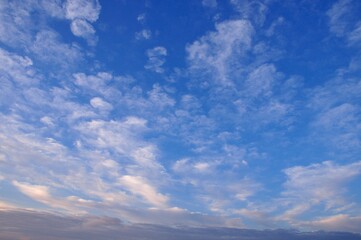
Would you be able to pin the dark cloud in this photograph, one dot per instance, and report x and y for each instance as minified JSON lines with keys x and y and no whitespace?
{"x":39,"y":225}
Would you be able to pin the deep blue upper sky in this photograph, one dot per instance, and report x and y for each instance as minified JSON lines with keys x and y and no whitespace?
{"x":234,"y":113}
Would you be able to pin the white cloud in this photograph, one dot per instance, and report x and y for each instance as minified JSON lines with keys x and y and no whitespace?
{"x":100,"y":104}
{"x":18,"y":68}
{"x":339,"y":222}
{"x":60,"y":134}
{"x":180,"y":165}
{"x":123,"y":139}
{"x":202,"y":166}
{"x":135,"y":121}
{"x":16,"y":23}
{"x":53,"y":7}
{"x":337,"y":114}
{"x":192,"y":168}
{"x":47,"y":120}
{"x":344,"y":21}
{"x":209,"y":3}
{"x":213,"y":52}
{"x":49,"y":49}
{"x":217,"y":194}
{"x":92,"y":82}
{"x":240,"y":81}
{"x":339,"y":15}
{"x":143,"y":34}
{"x":252,"y":10}
{"x":275,"y":24}
{"x":156,"y":59}
{"x":44,"y":160}
{"x":51,"y":162}
{"x":190,"y":102}
{"x":139,"y":186}
{"x":82,"y":13}
{"x":322,"y":183}
{"x":82,"y":9}
{"x":342,"y":116}
{"x":20,"y":24}
{"x":42,"y":194}
{"x":160,"y":98}
{"x":84,"y":29}
{"x":146,"y":156}
{"x":37,"y":192}
{"x":141,"y":18}
{"x":261,"y":80}
{"x":121,"y":136}
{"x":355,"y":36}
{"x":220,"y":196}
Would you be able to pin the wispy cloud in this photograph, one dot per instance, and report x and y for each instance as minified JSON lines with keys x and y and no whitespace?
{"x":252,"y":10}
{"x":143,"y":34}
{"x":210,"y":3}
{"x":19,"y":68}
{"x":139,"y":186}
{"x":343,"y":22}
{"x":49,"y":49}
{"x":340,"y":17}
{"x":156,"y":59}
{"x":320,"y":183}
{"x":214,"y":51}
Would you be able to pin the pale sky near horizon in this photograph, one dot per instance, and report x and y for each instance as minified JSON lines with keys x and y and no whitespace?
{"x":200,"y":113}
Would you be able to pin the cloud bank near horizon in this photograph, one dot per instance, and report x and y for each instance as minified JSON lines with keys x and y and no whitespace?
{"x":36,"y":225}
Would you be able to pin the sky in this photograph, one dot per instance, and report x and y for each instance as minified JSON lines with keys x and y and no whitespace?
{"x":205,"y":114}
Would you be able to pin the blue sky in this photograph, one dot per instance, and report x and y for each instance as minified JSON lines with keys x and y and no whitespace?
{"x":202,"y":113}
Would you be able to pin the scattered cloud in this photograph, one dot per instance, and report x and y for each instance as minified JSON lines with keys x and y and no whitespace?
{"x":81,"y":28}
{"x":215,"y":51}
{"x":81,"y":9}
{"x":42,"y":194}
{"x":355,"y":35}
{"x":50,"y":50}
{"x":143,"y":34}
{"x":81,"y":13}
{"x":54,"y":8}
{"x":340,"y":15}
{"x":18,"y":68}
{"x":252,"y":10}
{"x":322,"y":183}
{"x":139,"y":186}
{"x":142,"y":18}
{"x":337,"y":114}
{"x":156,"y":59}
{"x":343,"y":21}
{"x":16,"y":28}
{"x":100,"y":104}
{"x":239,"y":129}
{"x":209,"y":3}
